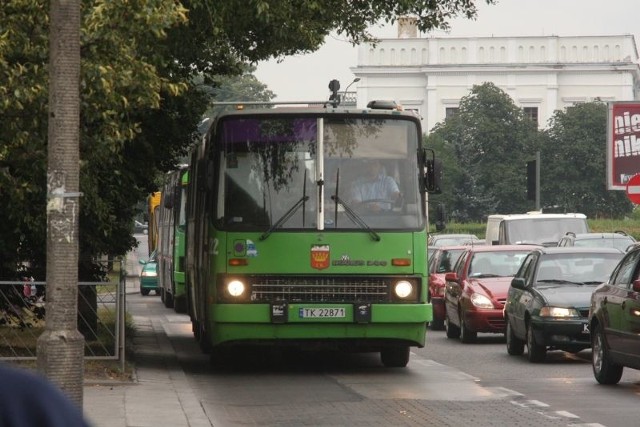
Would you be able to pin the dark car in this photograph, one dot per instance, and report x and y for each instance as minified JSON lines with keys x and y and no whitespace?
{"x":442,"y":261}
{"x":477,"y":288}
{"x":619,"y":240}
{"x":614,"y":321}
{"x":548,"y":301}
{"x":140,"y":228}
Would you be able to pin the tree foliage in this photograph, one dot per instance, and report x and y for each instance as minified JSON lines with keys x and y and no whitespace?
{"x":573,"y":163}
{"x":140,"y":106}
{"x":485,"y":147}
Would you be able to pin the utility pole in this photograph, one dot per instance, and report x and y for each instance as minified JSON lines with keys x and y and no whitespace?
{"x":60,"y":348}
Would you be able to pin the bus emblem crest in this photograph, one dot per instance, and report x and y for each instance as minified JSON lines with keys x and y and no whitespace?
{"x":320,"y":256}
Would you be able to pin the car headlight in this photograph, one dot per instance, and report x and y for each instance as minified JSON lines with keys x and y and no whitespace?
{"x":403,"y":289}
{"x":149,"y":274}
{"x":558,"y":312}
{"x":481,"y":301}
{"x":236,"y":288}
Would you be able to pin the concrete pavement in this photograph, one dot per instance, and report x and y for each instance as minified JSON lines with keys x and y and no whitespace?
{"x":160,"y":395}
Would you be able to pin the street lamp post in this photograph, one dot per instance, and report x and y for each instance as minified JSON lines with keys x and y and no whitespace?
{"x":344,"y":94}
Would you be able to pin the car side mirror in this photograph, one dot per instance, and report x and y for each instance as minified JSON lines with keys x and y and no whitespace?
{"x":518,"y":282}
{"x":636,"y":285}
{"x":451,"y":277}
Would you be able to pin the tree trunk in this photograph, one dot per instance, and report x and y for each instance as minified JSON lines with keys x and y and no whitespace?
{"x":60,"y":348}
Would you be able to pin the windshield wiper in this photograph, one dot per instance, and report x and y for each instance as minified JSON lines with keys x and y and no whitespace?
{"x":289,"y":213}
{"x":355,"y":217}
{"x":560,"y":281}
{"x":285,"y":217}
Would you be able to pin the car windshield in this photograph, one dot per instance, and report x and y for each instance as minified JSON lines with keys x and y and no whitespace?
{"x":621,"y":243}
{"x":588,"y":268}
{"x":452,"y":240}
{"x":494,"y":264}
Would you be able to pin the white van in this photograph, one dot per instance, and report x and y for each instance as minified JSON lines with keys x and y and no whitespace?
{"x":533,"y":228}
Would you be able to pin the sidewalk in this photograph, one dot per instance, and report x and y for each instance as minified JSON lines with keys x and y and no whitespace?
{"x":160,"y":394}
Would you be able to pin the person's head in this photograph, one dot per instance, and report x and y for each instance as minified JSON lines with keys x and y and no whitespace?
{"x":372,"y":167}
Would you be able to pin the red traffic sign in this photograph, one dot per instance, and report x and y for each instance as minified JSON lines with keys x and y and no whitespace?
{"x":633,"y":189}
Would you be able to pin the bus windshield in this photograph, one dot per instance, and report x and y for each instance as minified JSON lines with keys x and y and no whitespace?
{"x":292,"y":172}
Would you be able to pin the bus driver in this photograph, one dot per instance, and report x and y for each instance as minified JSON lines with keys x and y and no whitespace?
{"x":375,"y":190}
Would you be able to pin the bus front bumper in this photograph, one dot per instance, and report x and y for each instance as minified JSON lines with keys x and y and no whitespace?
{"x":316,"y":322}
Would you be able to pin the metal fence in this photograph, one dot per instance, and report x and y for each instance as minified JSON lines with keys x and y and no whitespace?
{"x":101,"y":317}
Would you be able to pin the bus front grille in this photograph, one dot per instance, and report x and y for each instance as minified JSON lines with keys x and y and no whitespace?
{"x":320,"y":289}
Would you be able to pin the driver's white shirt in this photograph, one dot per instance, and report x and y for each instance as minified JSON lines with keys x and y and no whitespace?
{"x":383,"y":187}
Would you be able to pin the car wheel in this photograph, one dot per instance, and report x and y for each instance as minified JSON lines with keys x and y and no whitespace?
{"x":395,"y":357}
{"x":452,"y":330}
{"x":466,"y":334}
{"x":144,"y":292}
{"x":605,"y":371}
{"x":537,"y":353}
{"x":515,"y":346}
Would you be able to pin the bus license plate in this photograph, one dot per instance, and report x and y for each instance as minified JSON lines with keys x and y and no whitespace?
{"x":322,"y":312}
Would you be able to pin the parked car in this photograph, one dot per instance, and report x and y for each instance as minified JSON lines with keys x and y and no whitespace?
{"x":614,"y":321}
{"x":442,"y":261}
{"x":619,"y":240}
{"x":140,"y":228}
{"x":149,"y":275}
{"x":548,"y":302}
{"x":476,"y":289}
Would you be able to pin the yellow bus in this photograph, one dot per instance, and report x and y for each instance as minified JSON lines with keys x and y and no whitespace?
{"x":153,"y":205}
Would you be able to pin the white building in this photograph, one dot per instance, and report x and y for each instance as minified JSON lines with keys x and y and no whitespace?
{"x":541,"y":74}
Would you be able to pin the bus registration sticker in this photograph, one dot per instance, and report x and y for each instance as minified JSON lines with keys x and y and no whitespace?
{"x":322,"y":312}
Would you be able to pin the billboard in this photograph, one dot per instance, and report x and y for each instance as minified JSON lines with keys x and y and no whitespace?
{"x":623,"y":143}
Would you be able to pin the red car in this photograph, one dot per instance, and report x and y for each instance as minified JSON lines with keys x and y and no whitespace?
{"x":475,"y":292}
{"x":441,"y":262}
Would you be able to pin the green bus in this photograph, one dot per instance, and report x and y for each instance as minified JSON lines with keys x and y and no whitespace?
{"x":171,"y":240}
{"x":306,"y":228}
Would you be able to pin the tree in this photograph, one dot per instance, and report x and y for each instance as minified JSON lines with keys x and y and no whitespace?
{"x":243,"y":87}
{"x":573,"y":163}
{"x":485,"y":147}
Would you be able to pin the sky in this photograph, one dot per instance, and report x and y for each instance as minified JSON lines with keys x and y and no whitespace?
{"x":306,"y":77}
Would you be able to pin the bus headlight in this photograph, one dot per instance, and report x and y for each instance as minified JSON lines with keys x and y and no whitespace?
{"x":236,"y":288}
{"x":403,"y":289}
